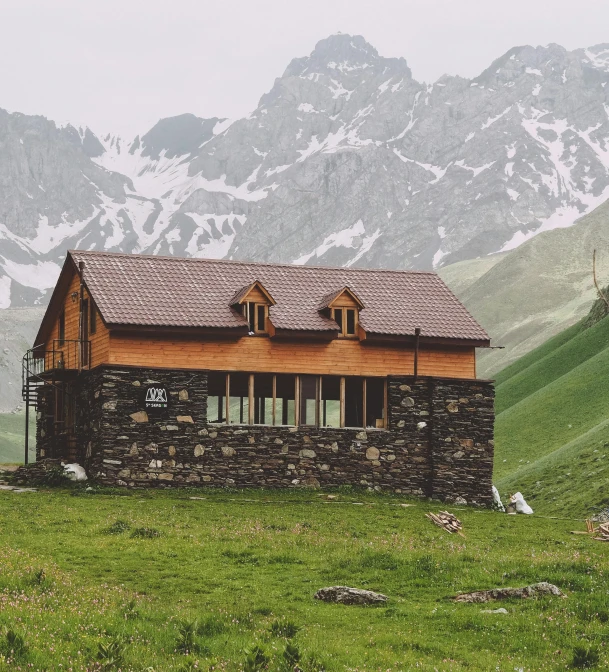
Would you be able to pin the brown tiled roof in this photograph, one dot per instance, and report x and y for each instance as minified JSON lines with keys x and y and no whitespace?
{"x":160,"y":291}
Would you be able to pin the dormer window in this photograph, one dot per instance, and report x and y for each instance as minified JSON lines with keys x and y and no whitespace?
{"x":347,"y":320}
{"x":256,"y":315}
{"x":343,"y":306}
{"x":253,"y":302}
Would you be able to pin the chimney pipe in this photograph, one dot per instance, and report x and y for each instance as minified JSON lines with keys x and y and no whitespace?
{"x":417,"y":337}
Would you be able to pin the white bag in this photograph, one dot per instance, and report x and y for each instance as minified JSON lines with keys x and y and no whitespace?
{"x":521,"y":506}
{"x":74,"y":472}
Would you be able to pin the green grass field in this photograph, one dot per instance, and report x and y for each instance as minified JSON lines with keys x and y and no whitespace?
{"x":552,"y":428}
{"x":84,"y":582}
{"x":12,"y":431}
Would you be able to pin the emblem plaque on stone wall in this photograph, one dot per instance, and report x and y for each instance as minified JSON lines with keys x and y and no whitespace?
{"x":156,"y":399}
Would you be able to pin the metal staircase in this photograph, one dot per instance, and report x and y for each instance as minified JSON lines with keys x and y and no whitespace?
{"x":40,"y":367}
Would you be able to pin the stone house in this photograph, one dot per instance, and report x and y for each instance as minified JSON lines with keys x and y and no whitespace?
{"x":166,"y":371}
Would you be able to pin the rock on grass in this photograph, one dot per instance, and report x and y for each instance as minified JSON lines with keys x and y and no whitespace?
{"x":346,"y":595}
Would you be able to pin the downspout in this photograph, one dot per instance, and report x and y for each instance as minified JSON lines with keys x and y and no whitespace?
{"x":417,"y":338}
{"x":81,"y":270}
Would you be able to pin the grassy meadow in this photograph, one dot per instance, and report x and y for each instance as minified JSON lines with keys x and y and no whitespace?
{"x":552,"y":427}
{"x":159,"y":581}
{"x":12,"y":434}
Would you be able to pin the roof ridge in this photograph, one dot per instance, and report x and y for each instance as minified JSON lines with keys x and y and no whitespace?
{"x":251,"y":263}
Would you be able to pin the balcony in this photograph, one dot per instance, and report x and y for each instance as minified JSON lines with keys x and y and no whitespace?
{"x":64,"y":357}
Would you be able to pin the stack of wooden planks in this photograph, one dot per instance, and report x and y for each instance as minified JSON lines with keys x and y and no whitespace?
{"x":446,"y":521}
{"x":603,"y":532}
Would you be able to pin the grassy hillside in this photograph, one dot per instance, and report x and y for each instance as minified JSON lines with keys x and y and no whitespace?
{"x":535,"y":291}
{"x":552,"y":430}
{"x":231,"y":571}
{"x":12,"y":437}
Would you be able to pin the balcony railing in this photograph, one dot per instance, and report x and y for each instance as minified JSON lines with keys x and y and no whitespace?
{"x":63,"y":355}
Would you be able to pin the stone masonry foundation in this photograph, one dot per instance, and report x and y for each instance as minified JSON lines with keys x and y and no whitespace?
{"x":438,"y":443}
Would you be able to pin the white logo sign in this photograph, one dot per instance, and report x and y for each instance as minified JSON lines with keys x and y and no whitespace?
{"x":156,"y":396}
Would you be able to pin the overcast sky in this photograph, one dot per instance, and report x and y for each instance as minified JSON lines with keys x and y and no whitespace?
{"x":120,"y":65}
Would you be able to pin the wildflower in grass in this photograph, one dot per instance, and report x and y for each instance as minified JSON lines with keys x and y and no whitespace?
{"x":284,"y":628}
{"x":145,"y":533}
{"x":585,"y":657}
{"x":186,"y":642}
{"x":255,"y":660}
{"x":117,"y":527}
{"x":291,"y":655}
{"x":110,"y":655}
{"x":12,"y":645}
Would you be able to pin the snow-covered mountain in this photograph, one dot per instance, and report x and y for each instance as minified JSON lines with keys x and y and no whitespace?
{"x":347,"y":160}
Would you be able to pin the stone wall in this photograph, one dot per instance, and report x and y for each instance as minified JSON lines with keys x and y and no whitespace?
{"x":45,"y":438}
{"x":462,"y":440}
{"x":124,"y":445}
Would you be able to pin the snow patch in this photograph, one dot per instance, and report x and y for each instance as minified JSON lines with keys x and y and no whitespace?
{"x":308,"y":108}
{"x":5,"y":292}
{"x":41,"y":275}
{"x":492,"y":120}
{"x":343,"y":238}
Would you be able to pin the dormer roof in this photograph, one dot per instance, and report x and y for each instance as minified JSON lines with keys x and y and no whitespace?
{"x":241,"y":296}
{"x":332,"y":298}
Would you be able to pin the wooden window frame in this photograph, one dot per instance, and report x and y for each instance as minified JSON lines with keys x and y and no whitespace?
{"x":92,"y":317}
{"x":297,"y":396}
{"x":343,"y":333}
{"x":247,"y":314}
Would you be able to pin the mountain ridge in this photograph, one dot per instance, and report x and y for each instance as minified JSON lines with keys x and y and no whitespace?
{"x":347,"y":160}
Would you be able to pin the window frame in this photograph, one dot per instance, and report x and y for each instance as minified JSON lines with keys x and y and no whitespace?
{"x":343,"y":322}
{"x":298,"y":378}
{"x":92,"y":317}
{"x":247,"y":313}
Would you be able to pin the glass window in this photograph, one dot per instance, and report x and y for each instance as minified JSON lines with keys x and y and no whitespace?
{"x":285,"y":402}
{"x":238,"y":407}
{"x":338,"y":318}
{"x":216,"y":397}
{"x":330,"y":401}
{"x":260,"y":317}
{"x":263,"y":399}
{"x":251,"y":316}
{"x":350,"y":326}
{"x":375,"y":402}
{"x":308,"y":400}
{"x":354,"y":401}
{"x":93,"y":324}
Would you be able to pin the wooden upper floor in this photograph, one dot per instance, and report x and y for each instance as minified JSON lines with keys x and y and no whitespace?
{"x":259,"y":343}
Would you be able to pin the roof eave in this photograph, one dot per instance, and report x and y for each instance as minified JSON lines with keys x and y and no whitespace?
{"x":408,"y":339}
{"x":57,"y":297}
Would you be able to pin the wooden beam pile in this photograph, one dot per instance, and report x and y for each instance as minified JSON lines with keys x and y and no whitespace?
{"x":603,"y":532}
{"x":447,"y":521}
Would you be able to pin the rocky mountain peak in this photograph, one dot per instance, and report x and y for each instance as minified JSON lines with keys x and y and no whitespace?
{"x":177,"y":136}
{"x":343,"y":54}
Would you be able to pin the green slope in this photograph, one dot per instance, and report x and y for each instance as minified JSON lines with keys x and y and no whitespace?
{"x":536,"y":291}
{"x":12,"y":437}
{"x":552,"y":429}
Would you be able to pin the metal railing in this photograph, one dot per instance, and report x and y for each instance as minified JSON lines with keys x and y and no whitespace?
{"x":66,"y":354}
{"x":63,"y":355}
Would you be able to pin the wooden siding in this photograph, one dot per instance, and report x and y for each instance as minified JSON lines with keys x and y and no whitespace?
{"x":255,"y":295}
{"x":262,"y":354}
{"x":100,"y":340}
{"x":345,"y":300}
